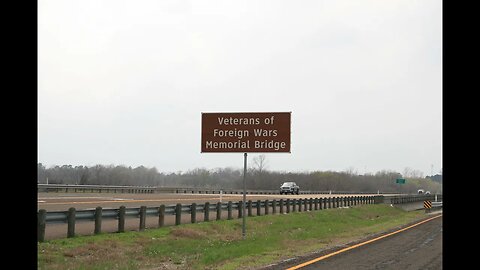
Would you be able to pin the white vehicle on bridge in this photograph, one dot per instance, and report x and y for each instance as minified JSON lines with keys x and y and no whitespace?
{"x":289,"y":187}
{"x":421,"y":191}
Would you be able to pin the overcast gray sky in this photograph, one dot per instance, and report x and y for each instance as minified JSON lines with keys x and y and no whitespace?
{"x":125,"y":82}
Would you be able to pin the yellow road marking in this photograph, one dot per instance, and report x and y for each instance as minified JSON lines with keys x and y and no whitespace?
{"x":358,"y":245}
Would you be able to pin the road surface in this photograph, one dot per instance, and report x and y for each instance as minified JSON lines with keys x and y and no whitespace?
{"x":416,"y":248}
{"x":52,"y":201}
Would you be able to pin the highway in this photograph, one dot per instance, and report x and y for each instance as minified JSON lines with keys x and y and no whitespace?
{"x":415,"y":248}
{"x":53,"y":201}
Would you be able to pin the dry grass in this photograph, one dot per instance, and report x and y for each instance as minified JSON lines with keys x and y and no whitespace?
{"x":188,"y":233}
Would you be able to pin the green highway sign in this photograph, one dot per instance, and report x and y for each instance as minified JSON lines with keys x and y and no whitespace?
{"x":400,"y":181}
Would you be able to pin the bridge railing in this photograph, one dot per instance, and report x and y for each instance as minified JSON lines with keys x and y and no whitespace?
{"x":95,"y":188}
{"x":209,"y":211}
{"x":185,"y":190}
{"x":401,"y":199}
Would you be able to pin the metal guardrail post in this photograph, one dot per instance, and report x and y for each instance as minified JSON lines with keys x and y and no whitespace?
{"x":71,"y":222}
{"x":240,"y":209}
{"x":161,"y":216}
{"x":250,"y":208}
{"x":219,"y":210}
{"x":266,"y":207}
{"x":310,"y":204}
{"x":274,"y":206}
{"x":281,"y":206}
{"x":143,"y":215}
{"x":193,"y":213}
{"x":121,"y":219}
{"x":258,"y":207}
{"x":41,"y":217}
{"x":288,"y":206}
{"x":206,"y":212}
{"x":229,"y":210}
{"x":178,"y":214}
{"x":294,"y":205}
{"x":98,"y":220}
{"x":329,"y":203}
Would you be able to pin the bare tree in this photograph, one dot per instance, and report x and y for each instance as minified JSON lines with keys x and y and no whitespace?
{"x":260,"y":163}
{"x":351,"y":171}
{"x":411,"y":173}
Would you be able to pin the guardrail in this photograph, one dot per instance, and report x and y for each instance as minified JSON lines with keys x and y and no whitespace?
{"x":283,"y":206}
{"x":185,"y":190}
{"x":401,"y":199}
{"x":95,"y":188}
{"x":437,"y":204}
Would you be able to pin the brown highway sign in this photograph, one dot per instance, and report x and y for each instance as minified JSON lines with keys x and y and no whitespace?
{"x":246,"y":132}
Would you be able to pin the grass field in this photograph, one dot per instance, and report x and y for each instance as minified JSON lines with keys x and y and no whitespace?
{"x":219,"y":244}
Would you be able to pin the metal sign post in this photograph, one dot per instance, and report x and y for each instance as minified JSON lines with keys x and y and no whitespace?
{"x":244,"y":194}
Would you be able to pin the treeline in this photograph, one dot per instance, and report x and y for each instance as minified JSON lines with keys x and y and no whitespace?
{"x":229,"y":178}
